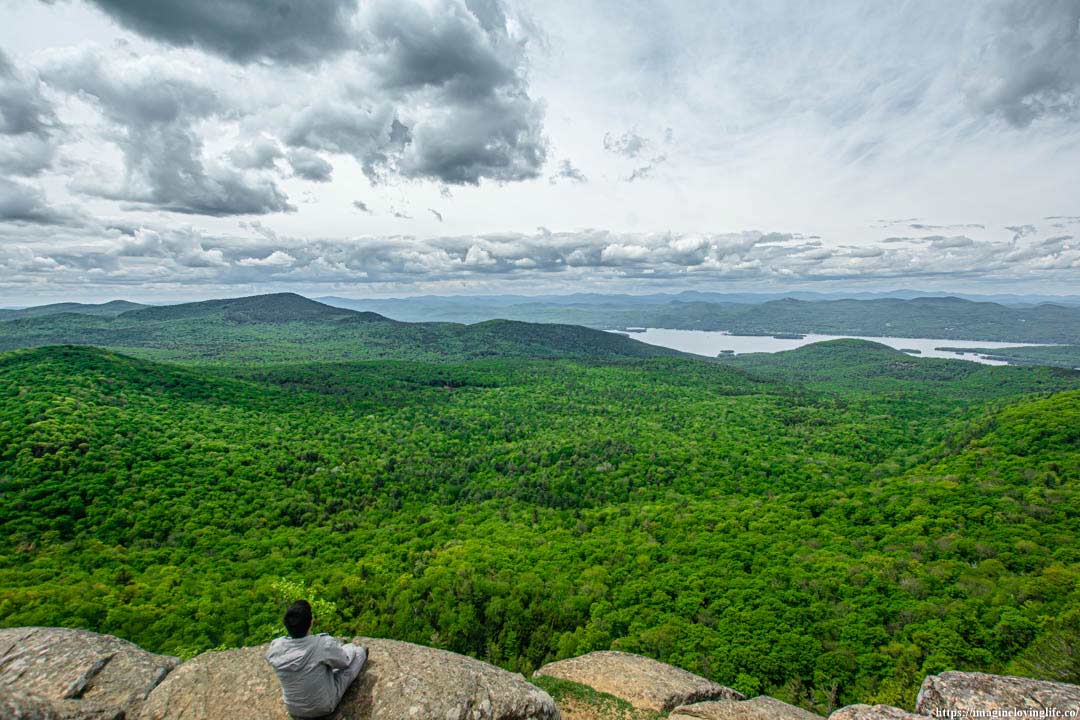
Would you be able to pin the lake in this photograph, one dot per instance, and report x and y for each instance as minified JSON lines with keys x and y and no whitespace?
{"x":710,"y":343}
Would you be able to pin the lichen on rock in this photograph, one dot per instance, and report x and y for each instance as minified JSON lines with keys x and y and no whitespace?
{"x":873,"y":712}
{"x":643,"y":682}
{"x":76,"y":673}
{"x":970,"y":693}
{"x":400,"y":680}
{"x":759,"y":708}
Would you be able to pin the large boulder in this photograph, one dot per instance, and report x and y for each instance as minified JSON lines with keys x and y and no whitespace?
{"x":19,"y":705}
{"x":966,"y":693}
{"x":643,"y":682}
{"x":873,"y":712}
{"x":400,"y":681}
{"x":759,"y":708}
{"x":76,"y":672}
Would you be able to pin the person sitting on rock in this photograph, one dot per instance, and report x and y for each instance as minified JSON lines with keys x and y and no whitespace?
{"x":314,"y":670}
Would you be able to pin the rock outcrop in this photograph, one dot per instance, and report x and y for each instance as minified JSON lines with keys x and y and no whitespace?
{"x":966,"y":692}
{"x":401,"y":681}
{"x":873,"y":712}
{"x":17,"y":705}
{"x":759,"y":708}
{"x":645,"y":683}
{"x":63,"y":674}
{"x":75,"y":673}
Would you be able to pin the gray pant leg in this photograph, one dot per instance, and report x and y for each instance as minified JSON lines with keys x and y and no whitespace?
{"x":343,"y":678}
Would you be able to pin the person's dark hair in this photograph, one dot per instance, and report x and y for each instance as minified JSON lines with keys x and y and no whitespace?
{"x":298,"y":618}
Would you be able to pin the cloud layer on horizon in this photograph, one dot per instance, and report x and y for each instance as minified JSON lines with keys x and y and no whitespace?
{"x":116,"y":257}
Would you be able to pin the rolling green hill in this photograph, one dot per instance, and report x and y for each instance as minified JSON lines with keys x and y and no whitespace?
{"x":940,"y":317}
{"x":274,"y":309}
{"x":288,"y":328}
{"x":108,"y":309}
{"x":831,"y":528}
{"x":850,"y":365}
{"x":932,"y":317}
{"x":946,"y":317}
{"x":1066,"y":356}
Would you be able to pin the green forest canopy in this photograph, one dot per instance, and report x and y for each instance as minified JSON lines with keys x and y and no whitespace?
{"x":826,"y":525}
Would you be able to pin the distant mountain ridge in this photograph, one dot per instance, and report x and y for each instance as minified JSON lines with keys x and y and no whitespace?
{"x":709,"y":296}
{"x":272,"y":308}
{"x":113,"y":307}
{"x":286,"y":327}
{"x":947,"y":317}
{"x":1020,"y":319}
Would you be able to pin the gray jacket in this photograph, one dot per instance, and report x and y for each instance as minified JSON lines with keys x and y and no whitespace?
{"x":305,"y":667}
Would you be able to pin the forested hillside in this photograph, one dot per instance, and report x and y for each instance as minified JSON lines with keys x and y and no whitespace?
{"x":286,"y":327}
{"x":1067,"y":356}
{"x":108,"y":309}
{"x":933,"y":317}
{"x":826,"y":527}
{"x":849,"y":365}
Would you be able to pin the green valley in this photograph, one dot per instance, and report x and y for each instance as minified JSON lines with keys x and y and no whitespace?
{"x":824,"y":525}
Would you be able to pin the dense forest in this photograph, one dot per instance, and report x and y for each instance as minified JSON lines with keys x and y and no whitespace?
{"x":825,"y":525}
{"x":286,"y":327}
{"x":1067,"y":356}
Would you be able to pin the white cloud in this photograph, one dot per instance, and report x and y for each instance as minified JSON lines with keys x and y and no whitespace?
{"x":276,"y":259}
{"x":691,"y":120}
{"x":169,"y":257}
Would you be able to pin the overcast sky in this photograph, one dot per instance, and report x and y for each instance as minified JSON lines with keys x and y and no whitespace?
{"x":182,"y":149}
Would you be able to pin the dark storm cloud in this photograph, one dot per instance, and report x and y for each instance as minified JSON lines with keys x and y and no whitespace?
{"x":445,"y":45}
{"x":22,"y":203}
{"x":27,"y":122}
{"x":498,"y":138}
{"x":22,"y":107}
{"x":308,"y":165}
{"x":243,"y":30}
{"x":154,"y":104}
{"x":259,"y":154}
{"x":432,"y":90}
{"x":339,"y":126}
{"x":1029,"y":66}
{"x":450,"y":101}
